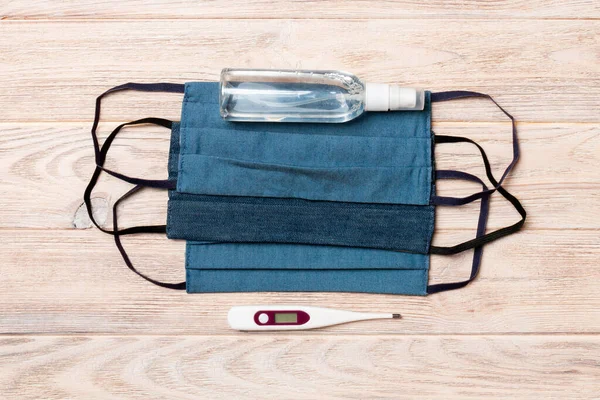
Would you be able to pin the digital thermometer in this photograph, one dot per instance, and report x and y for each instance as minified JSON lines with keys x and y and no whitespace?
{"x":283,"y":318}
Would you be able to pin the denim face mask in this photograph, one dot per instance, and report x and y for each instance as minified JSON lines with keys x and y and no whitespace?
{"x":243,"y":267}
{"x":304,"y":207}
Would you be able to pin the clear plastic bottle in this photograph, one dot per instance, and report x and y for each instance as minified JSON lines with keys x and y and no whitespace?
{"x":307,"y":96}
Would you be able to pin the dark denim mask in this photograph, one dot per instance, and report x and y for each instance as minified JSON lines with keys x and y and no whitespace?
{"x":305,"y":207}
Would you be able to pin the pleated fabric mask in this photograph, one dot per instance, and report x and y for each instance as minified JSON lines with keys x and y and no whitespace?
{"x":304,"y":207}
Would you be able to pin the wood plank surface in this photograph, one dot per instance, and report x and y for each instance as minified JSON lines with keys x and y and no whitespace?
{"x":47,"y":168}
{"x":289,"y":9}
{"x":538,"y":79}
{"x":75,"y":281}
{"x":307,"y":367}
{"x":76,"y":323}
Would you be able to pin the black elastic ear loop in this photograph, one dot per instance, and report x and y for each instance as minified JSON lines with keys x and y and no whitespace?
{"x":481,"y":226}
{"x":140,"y":87}
{"x":458,"y":94}
{"x":101,"y":158}
{"x":138,"y":229}
{"x":490,"y":237}
{"x":155,"y":183}
{"x":100,"y":153}
{"x":464,"y":94}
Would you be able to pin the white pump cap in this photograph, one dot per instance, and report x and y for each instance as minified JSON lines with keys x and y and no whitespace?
{"x":384,"y":97}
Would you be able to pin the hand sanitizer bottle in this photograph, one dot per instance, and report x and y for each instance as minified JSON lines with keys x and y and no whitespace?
{"x":307,"y":96}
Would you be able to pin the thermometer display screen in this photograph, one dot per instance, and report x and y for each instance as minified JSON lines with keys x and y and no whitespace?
{"x":280,"y":317}
{"x":286,"y":318}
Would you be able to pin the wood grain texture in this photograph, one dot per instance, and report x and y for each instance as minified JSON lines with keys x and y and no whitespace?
{"x":74,"y":281}
{"x":545,"y":71}
{"x":249,"y":366}
{"x":338,"y":9}
{"x":76,"y":323}
{"x":47,"y":168}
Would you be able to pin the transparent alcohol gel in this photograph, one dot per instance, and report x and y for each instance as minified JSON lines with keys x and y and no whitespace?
{"x":307,"y":96}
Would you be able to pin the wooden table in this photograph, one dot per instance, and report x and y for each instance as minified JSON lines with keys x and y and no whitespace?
{"x":75,"y":323}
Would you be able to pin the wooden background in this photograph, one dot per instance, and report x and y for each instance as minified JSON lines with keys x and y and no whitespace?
{"x":75,"y":323}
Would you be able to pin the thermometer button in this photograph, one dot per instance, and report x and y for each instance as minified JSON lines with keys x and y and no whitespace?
{"x":263,"y":318}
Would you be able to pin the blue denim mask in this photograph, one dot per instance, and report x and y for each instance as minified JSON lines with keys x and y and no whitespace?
{"x":304,"y":207}
{"x":243,"y":267}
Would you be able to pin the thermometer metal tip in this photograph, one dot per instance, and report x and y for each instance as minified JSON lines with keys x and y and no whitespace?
{"x":396,"y":316}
